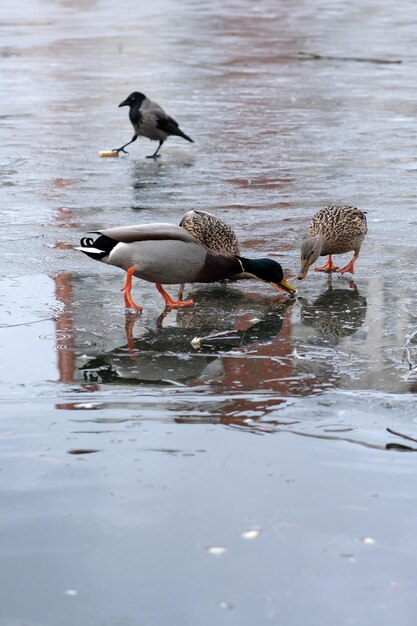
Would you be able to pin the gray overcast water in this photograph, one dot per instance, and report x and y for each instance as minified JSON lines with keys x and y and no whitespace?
{"x":132,"y":465}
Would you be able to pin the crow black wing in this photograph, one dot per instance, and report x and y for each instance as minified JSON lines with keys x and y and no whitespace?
{"x":170,"y":126}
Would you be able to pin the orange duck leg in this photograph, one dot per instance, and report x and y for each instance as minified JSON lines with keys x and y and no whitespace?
{"x":129,"y":304}
{"x":350,"y":266}
{"x":328,"y":267}
{"x":169,"y":302}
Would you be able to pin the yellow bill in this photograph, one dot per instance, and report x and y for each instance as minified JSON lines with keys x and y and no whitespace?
{"x":284,"y":285}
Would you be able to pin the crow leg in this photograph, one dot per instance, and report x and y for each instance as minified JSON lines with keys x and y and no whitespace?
{"x":122,"y":149}
{"x":155,"y":155}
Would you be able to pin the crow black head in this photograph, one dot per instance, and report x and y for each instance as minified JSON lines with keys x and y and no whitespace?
{"x":135,"y":99}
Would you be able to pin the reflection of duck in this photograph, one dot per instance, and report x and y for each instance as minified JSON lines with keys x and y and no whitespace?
{"x":336,"y":312}
{"x":333,"y":230}
{"x":224,"y":307}
{"x":164,"y":253}
{"x":118,"y":366}
{"x":166,"y":353}
{"x":260,"y":332}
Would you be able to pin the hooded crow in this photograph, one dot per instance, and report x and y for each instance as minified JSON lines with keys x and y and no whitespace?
{"x":150,"y":120}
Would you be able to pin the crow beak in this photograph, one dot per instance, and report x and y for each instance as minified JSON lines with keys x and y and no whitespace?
{"x":285,"y":286}
{"x":125,"y":103}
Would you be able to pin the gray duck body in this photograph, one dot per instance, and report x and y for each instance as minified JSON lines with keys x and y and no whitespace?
{"x":164,"y":253}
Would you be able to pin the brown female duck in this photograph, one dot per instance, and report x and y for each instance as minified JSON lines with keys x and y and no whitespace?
{"x":212,"y":232}
{"x":333,"y":230}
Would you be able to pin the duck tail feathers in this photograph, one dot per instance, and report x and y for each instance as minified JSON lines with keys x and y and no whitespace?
{"x":98,"y":248}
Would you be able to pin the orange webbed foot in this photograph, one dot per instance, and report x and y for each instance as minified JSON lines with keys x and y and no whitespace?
{"x":328,"y":267}
{"x":179,"y":304}
{"x":350,"y":266}
{"x":169,"y":302}
{"x":129,"y":304}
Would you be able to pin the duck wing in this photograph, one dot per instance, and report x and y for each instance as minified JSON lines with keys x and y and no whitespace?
{"x":148,"y":232}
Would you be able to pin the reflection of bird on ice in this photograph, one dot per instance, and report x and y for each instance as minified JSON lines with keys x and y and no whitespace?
{"x":166,"y":354}
{"x":336,"y":312}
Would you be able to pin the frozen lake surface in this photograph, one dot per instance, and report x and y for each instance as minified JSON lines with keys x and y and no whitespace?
{"x":253,"y":480}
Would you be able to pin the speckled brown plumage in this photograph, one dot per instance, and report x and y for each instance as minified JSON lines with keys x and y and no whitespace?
{"x":334,"y":229}
{"x":343,"y":228}
{"x":210,"y":231}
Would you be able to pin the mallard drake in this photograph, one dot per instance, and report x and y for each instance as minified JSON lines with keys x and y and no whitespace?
{"x":334,"y":229}
{"x":150,"y":120}
{"x":211,"y":231}
{"x":164,"y":253}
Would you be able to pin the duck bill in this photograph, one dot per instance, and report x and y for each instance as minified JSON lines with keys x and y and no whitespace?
{"x":303,"y":271}
{"x":124,"y":104}
{"x":285,"y":286}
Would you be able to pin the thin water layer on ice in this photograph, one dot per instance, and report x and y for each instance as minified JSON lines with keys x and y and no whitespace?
{"x":134,"y":462}
{"x":129,"y":448}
